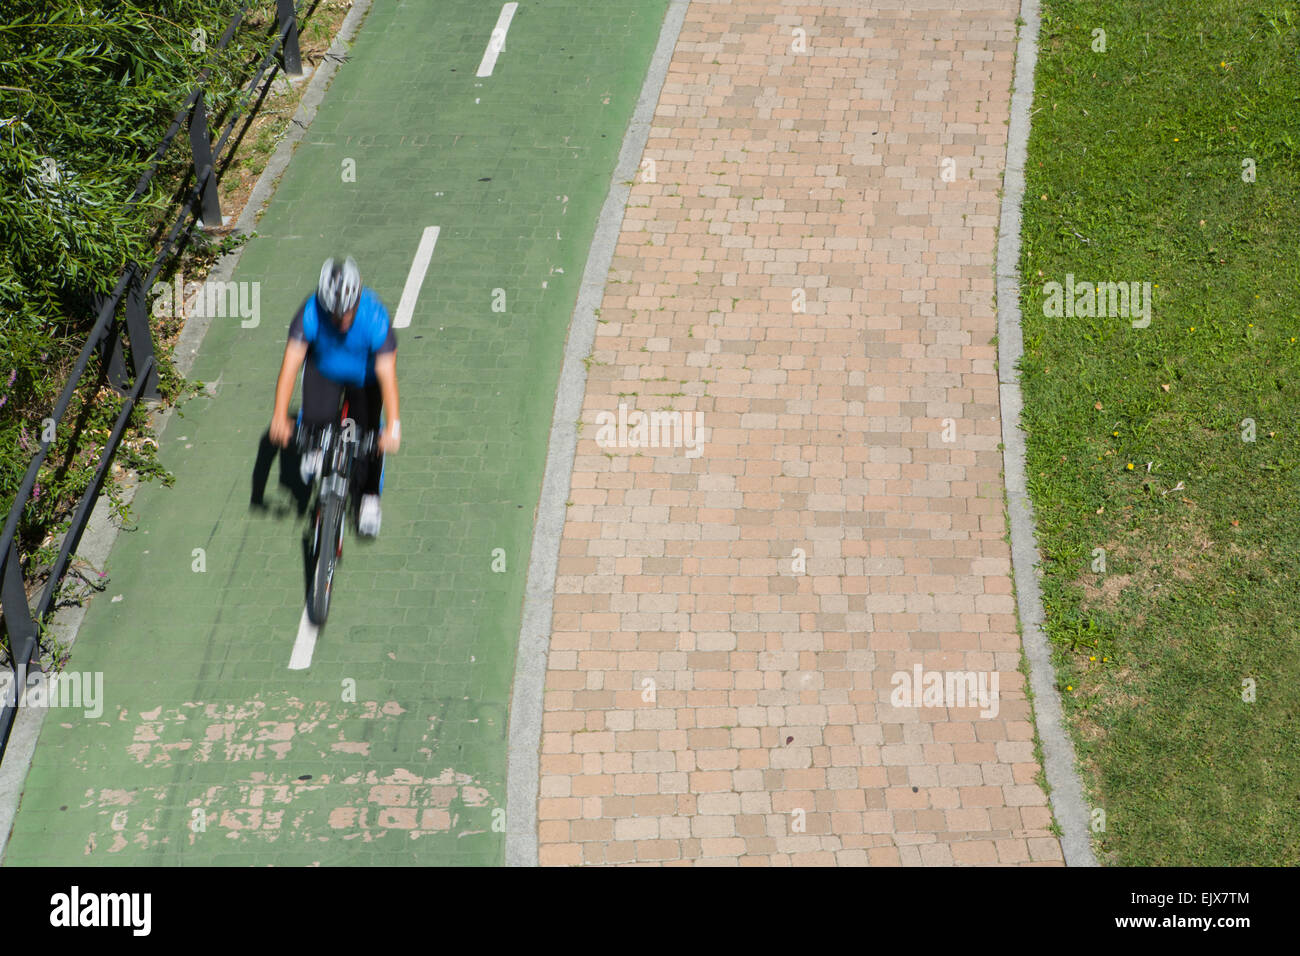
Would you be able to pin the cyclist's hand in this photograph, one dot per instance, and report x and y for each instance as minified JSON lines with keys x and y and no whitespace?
{"x":281,"y":430}
{"x":390,"y":439}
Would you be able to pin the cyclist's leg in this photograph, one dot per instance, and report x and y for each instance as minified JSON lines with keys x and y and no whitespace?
{"x":367,"y":404}
{"x":320,"y":407}
{"x":320,"y":397}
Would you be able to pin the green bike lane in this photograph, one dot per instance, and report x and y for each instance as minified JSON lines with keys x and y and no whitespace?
{"x":391,"y":747}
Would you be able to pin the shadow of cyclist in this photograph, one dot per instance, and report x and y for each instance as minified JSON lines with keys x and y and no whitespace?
{"x":289,"y":478}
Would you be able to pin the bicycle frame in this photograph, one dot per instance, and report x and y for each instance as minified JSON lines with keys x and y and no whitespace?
{"x":340,"y":448}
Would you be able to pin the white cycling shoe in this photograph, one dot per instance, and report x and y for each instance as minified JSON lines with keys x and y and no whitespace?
{"x":368,"y":520}
{"x":309,"y":465}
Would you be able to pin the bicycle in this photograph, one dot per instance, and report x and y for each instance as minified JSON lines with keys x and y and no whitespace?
{"x":340,"y":447}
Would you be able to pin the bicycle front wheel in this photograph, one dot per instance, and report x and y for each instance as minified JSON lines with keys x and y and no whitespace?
{"x":327,"y":551}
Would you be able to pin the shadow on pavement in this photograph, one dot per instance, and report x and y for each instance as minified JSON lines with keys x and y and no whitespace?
{"x":289,"y":478}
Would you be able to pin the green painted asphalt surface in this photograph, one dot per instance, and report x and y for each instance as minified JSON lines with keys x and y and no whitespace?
{"x":391,"y":748}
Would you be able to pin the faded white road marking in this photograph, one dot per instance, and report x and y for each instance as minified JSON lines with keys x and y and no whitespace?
{"x":498,"y":41}
{"x":305,"y":645}
{"x":415,"y":278}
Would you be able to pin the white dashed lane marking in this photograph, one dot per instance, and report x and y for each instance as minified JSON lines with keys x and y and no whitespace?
{"x":305,"y":645}
{"x":415,"y":278}
{"x":498,"y":41}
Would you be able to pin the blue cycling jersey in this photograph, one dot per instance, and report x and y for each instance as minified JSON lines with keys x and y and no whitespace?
{"x":347,"y":358}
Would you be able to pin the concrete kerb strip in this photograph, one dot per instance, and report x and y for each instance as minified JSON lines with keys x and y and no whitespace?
{"x":523,"y":766}
{"x":1068,"y":803}
{"x":101,"y":532}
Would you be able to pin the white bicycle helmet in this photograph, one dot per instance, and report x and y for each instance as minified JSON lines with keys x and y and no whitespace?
{"x":339,"y":288}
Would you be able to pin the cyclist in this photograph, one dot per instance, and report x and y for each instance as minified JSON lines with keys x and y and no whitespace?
{"x":343,"y":335}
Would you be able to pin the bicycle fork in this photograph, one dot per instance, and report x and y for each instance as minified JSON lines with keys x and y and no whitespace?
{"x":333,"y":487}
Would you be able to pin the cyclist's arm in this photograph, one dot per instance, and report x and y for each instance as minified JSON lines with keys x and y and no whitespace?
{"x":384,"y":345}
{"x":295,"y":353}
{"x":386,"y":373}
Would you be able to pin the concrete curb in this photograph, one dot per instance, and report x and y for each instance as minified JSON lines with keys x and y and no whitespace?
{"x":523,"y":765}
{"x":101,"y":531}
{"x":1068,"y":804}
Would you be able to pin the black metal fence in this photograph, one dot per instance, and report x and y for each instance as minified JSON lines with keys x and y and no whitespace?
{"x":21,"y":622}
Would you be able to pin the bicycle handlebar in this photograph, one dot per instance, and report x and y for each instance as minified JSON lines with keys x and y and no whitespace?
{"x":366,"y":439}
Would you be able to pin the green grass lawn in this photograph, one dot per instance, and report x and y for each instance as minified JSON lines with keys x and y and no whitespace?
{"x":1139,"y":442}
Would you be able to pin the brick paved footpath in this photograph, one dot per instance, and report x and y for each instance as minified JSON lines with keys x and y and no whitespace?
{"x":768,"y":735}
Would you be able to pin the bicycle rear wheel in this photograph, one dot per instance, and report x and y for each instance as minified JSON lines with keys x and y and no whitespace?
{"x":327,"y":551}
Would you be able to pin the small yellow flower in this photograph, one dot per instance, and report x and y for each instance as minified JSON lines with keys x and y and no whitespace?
{"x":1193,"y":328}
{"x":1069,"y":687}
{"x":1129,"y":466}
{"x":1223,"y":63}
{"x":1114,"y":434}
{"x":1093,"y":658}
{"x":1175,"y":139}
{"x":1105,"y":659}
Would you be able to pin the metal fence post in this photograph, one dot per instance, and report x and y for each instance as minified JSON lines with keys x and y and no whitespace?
{"x":139,"y":334}
{"x":110,"y":348}
{"x":18,"y":614}
{"x":205,"y":172}
{"x":23,"y":639}
{"x":288,"y":22}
